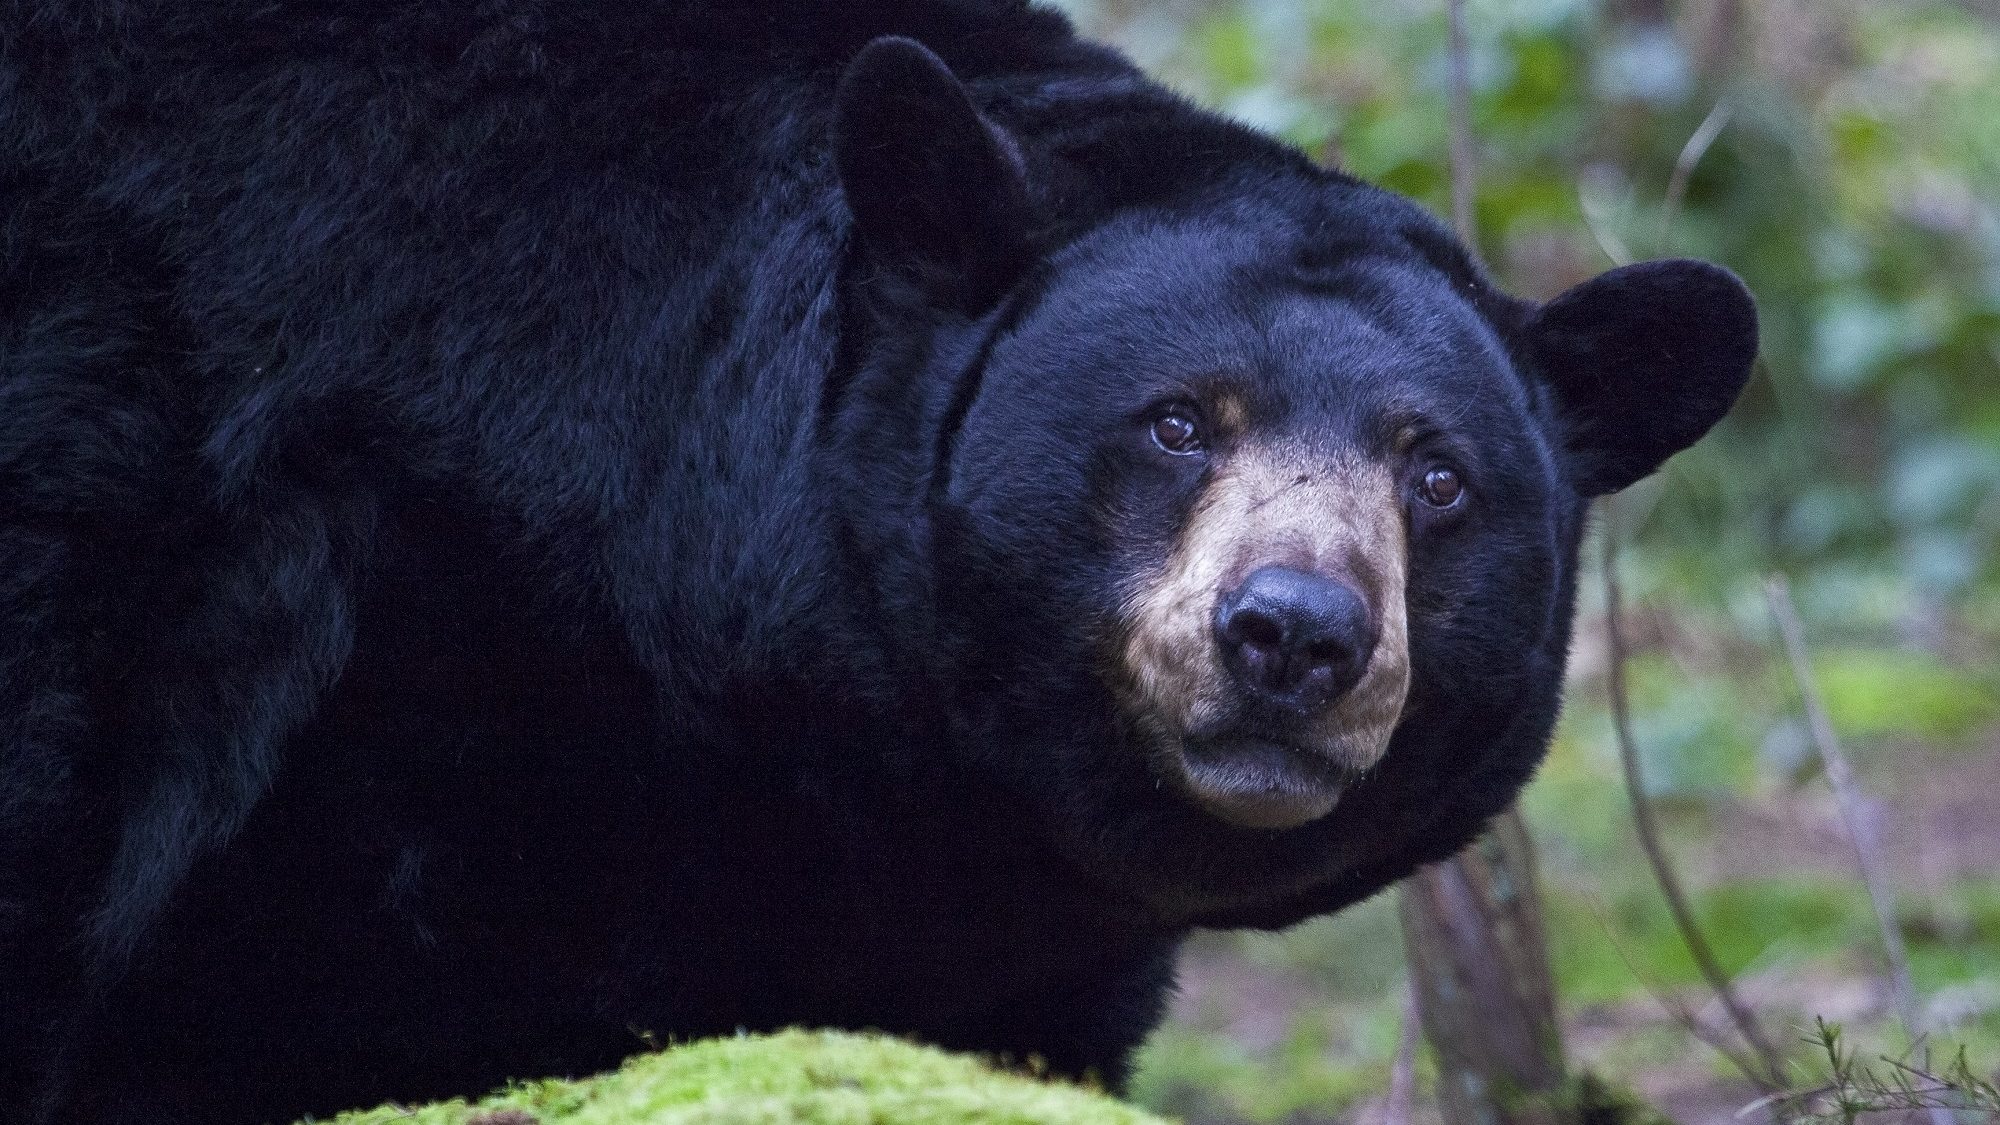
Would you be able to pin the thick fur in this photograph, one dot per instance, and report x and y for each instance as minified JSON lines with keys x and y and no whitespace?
{"x":494,"y":562}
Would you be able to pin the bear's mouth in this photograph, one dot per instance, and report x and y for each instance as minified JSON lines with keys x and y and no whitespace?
{"x":1256,"y":782}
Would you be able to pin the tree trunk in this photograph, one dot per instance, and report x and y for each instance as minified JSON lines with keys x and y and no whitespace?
{"x":1473,"y":930}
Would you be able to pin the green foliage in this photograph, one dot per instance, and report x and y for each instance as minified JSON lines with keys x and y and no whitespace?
{"x":1598,"y":939}
{"x":1873,"y":693}
{"x":1910,"y":1082}
{"x":795,"y":1078}
{"x":1710,"y":724}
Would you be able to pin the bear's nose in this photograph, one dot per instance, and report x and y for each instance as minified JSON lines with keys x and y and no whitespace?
{"x":1294,"y":639}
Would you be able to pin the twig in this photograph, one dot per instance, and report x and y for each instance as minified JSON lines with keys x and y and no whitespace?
{"x":1677,"y":1009}
{"x":1608,"y":242}
{"x":1464,"y":165}
{"x":1696,"y":147}
{"x":1853,"y":1089}
{"x":1773,"y":1076}
{"x":1853,"y":813}
{"x":1787,"y":1098}
{"x":1860,"y":830}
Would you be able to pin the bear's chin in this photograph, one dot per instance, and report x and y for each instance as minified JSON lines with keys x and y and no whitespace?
{"x":1257,"y":783}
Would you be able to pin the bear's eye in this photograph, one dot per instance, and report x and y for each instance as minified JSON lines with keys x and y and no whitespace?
{"x":1441,"y":487}
{"x":1176,"y":433}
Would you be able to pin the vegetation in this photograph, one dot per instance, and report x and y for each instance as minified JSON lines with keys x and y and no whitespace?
{"x":797,"y":1078}
{"x":1853,"y":1089}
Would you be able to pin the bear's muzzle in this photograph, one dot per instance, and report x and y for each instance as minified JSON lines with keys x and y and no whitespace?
{"x":1266,"y":663}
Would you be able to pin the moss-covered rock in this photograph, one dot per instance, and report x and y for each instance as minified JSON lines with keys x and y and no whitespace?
{"x":794,"y":1078}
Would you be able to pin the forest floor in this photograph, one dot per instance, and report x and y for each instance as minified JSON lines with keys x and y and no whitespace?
{"x":1303,"y":1026}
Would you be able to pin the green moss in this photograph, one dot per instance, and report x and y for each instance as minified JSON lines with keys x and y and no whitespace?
{"x":794,"y":1078}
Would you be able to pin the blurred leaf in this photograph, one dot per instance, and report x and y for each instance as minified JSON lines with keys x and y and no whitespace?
{"x":1942,"y":479}
{"x":1853,"y":338}
{"x":1647,"y":65}
{"x":1876,"y":693}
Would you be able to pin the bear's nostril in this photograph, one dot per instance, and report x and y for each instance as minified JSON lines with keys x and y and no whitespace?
{"x":1295,"y":639}
{"x":1251,"y":627}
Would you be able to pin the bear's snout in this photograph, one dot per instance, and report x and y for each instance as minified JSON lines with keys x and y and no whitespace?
{"x":1294,"y":641}
{"x":1265,"y":663}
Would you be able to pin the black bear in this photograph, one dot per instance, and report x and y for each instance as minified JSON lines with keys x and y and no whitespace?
{"x":527,"y":523}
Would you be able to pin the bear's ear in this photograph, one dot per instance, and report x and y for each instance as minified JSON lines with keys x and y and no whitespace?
{"x":1642,"y":361}
{"x":937,"y":190}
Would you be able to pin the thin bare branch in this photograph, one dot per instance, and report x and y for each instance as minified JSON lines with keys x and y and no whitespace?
{"x":1608,"y":242}
{"x":1696,"y":147}
{"x":1678,"y":1011}
{"x":1853,"y":812}
{"x":1773,"y":1069}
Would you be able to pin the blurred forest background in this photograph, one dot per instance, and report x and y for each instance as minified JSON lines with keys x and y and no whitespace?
{"x":1855,"y":184}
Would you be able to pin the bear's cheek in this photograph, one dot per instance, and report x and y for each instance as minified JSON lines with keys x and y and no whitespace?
{"x":1481,"y":609}
{"x":1203,"y":727}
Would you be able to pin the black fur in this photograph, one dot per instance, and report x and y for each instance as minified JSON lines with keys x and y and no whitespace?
{"x":524,"y":523}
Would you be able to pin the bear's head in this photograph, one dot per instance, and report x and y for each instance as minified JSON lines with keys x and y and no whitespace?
{"x":1240,"y":512}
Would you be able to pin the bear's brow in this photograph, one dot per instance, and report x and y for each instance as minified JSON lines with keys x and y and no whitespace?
{"x":1401,"y":425}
